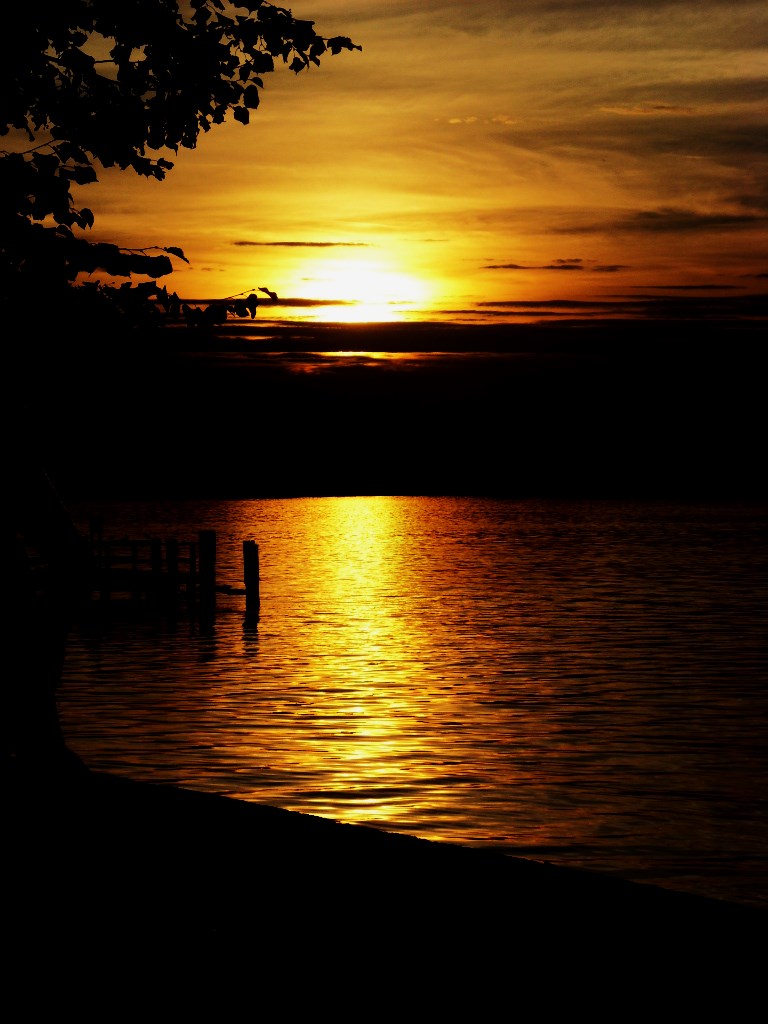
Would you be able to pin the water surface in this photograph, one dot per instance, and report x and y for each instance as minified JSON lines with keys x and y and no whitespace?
{"x":570,"y":681}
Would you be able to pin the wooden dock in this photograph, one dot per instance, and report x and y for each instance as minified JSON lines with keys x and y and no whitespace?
{"x":168,"y":574}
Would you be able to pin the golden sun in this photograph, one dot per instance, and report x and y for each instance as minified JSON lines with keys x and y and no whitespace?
{"x":367,"y":292}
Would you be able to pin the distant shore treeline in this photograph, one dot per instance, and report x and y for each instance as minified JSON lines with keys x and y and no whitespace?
{"x":615,"y":410}
{"x":561,"y":335}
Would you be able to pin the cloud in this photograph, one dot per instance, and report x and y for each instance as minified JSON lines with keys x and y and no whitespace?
{"x":281,"y":301}
{"x":719,"y":307}
{"x":558,"y":17}
{"x":677,"y":219}
{"x":540,"y":266}
{"x":569,"y":264}
{"x":690,"y":287}
{"x":621,"y":23}
{"x":723,"y":132}
{"x":667,"y":220}
{"x":308,"y":245}
{"x":560,"y":264}
{"x":507,"y":266}
{"x":315,"y":302}
{"x":646,"y":109}
{"x":550,"y":303}
{"x":503,"y":119}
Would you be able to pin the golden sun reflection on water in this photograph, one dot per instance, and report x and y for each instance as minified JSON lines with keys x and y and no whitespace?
{"x":365,"y":585}
{"x":361,"y":710}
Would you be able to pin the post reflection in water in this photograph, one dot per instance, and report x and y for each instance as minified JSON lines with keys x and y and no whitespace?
{"x":569,"y":681}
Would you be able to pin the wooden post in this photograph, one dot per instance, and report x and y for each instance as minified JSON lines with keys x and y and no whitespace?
{"x":192,"y":575}
{"x":96,"y":529}
{"x":172,"y":562}
{"x":135,"y":572}
{"x":156,"y":561}
{"x":251,"y":576}
{"x":105,"y":568}
{"x":207,"y":541}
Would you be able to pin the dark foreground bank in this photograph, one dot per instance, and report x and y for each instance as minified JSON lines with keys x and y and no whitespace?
{"x":138,"y":888}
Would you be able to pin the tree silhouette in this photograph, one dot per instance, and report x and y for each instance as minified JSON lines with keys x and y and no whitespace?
{"x":87,"y":82}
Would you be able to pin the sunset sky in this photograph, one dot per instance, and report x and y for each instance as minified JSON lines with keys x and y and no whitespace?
{"x":480,"y":161}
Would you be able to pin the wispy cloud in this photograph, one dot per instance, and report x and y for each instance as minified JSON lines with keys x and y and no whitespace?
{"x":560,"y":264}
{"x":672,"y":219}
{"x":668,"y":220}
{"x":306,"y":245}
{"x":647,"y":109}
{"x":691,"y":287}
{"x":722,"y":307}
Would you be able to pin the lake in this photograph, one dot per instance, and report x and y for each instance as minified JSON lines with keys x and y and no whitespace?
{"x":582,"y":682}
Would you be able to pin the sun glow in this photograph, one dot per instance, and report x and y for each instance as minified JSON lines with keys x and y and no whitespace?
{"x":366,"y":291}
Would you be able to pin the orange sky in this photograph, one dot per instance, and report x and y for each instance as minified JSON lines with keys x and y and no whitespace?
{"x":478,"y":156}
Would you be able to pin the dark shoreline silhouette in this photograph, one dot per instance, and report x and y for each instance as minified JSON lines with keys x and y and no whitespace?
{"x":159,"y":883}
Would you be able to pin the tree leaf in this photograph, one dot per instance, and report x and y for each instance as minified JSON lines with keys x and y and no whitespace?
{"x":174,"y":251}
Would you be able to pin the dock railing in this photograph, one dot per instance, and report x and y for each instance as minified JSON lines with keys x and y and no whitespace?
{"x":167,"y":573}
